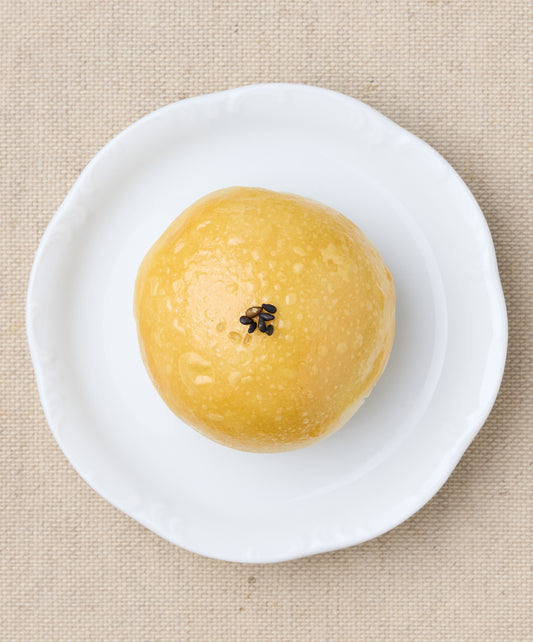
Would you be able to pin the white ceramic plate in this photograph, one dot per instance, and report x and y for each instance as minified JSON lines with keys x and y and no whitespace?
{"x":393,"y":456}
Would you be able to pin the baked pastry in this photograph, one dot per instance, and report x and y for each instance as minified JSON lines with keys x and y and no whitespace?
{"x":295,"y":368}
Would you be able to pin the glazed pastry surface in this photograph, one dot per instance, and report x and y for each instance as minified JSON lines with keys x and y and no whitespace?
{"x":332,"y":333}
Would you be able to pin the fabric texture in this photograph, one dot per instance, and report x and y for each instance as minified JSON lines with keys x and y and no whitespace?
{"x":457,"y":73}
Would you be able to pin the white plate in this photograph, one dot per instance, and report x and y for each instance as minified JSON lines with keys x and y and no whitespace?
{"x":439,"y":386}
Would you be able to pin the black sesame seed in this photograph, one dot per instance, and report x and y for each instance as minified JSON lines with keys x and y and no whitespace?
{"x":262,"y":325}
{"x":270,"y":308}
{"x":245,"y":320}
{"x":270,"y":330}
{"x":252,"y":327}
{"x":266,"y":317}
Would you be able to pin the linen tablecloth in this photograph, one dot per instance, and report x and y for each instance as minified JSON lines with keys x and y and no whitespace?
{"x":73,"y":74}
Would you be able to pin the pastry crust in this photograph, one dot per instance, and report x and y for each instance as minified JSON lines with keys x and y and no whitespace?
{"x":333,"y":329}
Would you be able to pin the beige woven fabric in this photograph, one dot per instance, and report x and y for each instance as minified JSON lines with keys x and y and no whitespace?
{"x":73,"y":74}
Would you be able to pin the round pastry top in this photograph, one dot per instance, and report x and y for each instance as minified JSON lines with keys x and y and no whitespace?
{"x":328,"y":318}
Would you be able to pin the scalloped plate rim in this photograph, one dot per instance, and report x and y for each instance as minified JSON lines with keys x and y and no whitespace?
{"x":450,"y":458}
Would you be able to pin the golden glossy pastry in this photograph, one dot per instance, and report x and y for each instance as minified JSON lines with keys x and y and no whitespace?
{"x":327,"y":320}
